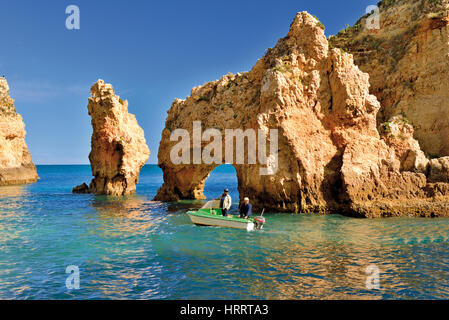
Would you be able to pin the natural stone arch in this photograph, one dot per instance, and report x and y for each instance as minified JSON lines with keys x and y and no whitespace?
{"x":187,"y":181}
{"x":223,"y":176}
{"x":266,"y":98}
{"x":330,"y":155}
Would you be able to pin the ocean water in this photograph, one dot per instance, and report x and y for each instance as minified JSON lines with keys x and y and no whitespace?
{"x":134,"y":248}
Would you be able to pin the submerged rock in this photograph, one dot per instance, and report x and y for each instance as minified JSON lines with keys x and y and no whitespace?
{"x":16,"y":164}
{"x":119,"y":150}
{"x":330,"y":156}
{"x":83,"y":188}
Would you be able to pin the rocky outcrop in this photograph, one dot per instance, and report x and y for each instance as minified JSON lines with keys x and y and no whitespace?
{"x":407,"y":60}
{"x":330,"y":156}
{"x":119,"y":149}
{"x":398,"y":134}
{"x":16,"y":165}
{"x":439,"y":170}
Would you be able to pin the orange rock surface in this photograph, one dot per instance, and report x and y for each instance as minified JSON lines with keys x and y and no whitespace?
{"x":16,"y":164}
{"x":408,"y":62}
{"x":331,"y":158}
{"x":119,"y":148}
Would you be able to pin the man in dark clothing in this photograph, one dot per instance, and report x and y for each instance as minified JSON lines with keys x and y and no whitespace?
{"x":245,"y":209}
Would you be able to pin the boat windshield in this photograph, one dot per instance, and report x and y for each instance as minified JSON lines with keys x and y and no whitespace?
{"x":211,"y":204}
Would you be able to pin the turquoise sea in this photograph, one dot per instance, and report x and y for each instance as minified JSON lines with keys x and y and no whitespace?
{"x":134,"y":248}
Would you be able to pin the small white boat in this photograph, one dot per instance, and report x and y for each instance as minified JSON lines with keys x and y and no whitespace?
{"x":208,"y":216}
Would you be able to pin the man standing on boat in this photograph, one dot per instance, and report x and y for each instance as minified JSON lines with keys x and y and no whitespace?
{"x":246,"y":209}
{"x":225,"y":202}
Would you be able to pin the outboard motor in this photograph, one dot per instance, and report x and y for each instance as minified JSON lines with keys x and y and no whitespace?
{"x":259,"y":222}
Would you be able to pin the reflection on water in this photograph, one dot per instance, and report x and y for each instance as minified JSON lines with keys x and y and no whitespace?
{"x":328,"y":258}
{"x":10,"y":213}
{"x":132,"y":214}
{"x":125,"y":224}
{"x":12,"y":191}
{"x":11,"y":198}
{"x":134,"y":248}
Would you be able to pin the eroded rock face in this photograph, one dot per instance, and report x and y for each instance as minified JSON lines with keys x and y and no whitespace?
{"x":16,"y":165}
{"x":398,"y":134}
{"x":439,"y":170}
{"x":330,"y":154}
{"x":119,"y":149}
{"x":408,"y":62}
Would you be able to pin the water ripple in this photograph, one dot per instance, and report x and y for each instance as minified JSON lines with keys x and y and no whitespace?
{"x":135,"y":248}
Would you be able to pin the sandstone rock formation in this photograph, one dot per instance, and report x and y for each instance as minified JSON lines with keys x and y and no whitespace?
{"x":398,"y":134}
{"x":16,"y":165}
{"x":331,"y":158}
{"x":119,"y":149}
{"x":408,"y":62}
{"x":439,"y":170}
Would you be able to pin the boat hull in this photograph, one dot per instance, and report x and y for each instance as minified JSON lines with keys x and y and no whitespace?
{"x":229,"y":223}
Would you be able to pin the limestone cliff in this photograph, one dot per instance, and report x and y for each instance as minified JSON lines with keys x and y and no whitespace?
{"x":119,"y":149}
{"x":331,"y":157}
{"x":408,"y":63}
{"x":16,"y":165}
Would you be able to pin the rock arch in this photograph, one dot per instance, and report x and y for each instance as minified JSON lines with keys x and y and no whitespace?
{"x":284,"y":91}
{"x":330,"y":156}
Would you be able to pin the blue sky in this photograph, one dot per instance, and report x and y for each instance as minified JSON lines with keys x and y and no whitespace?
{"x":151,"y":51}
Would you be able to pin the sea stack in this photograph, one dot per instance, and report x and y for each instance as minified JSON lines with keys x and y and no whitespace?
{"x":330,"y":156}
{"x":119,"y":150}
{"x":16,"y":165}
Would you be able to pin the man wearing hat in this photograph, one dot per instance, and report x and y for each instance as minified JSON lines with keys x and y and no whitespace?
{"x":225,"y":202}
{"x":245,"y":209}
